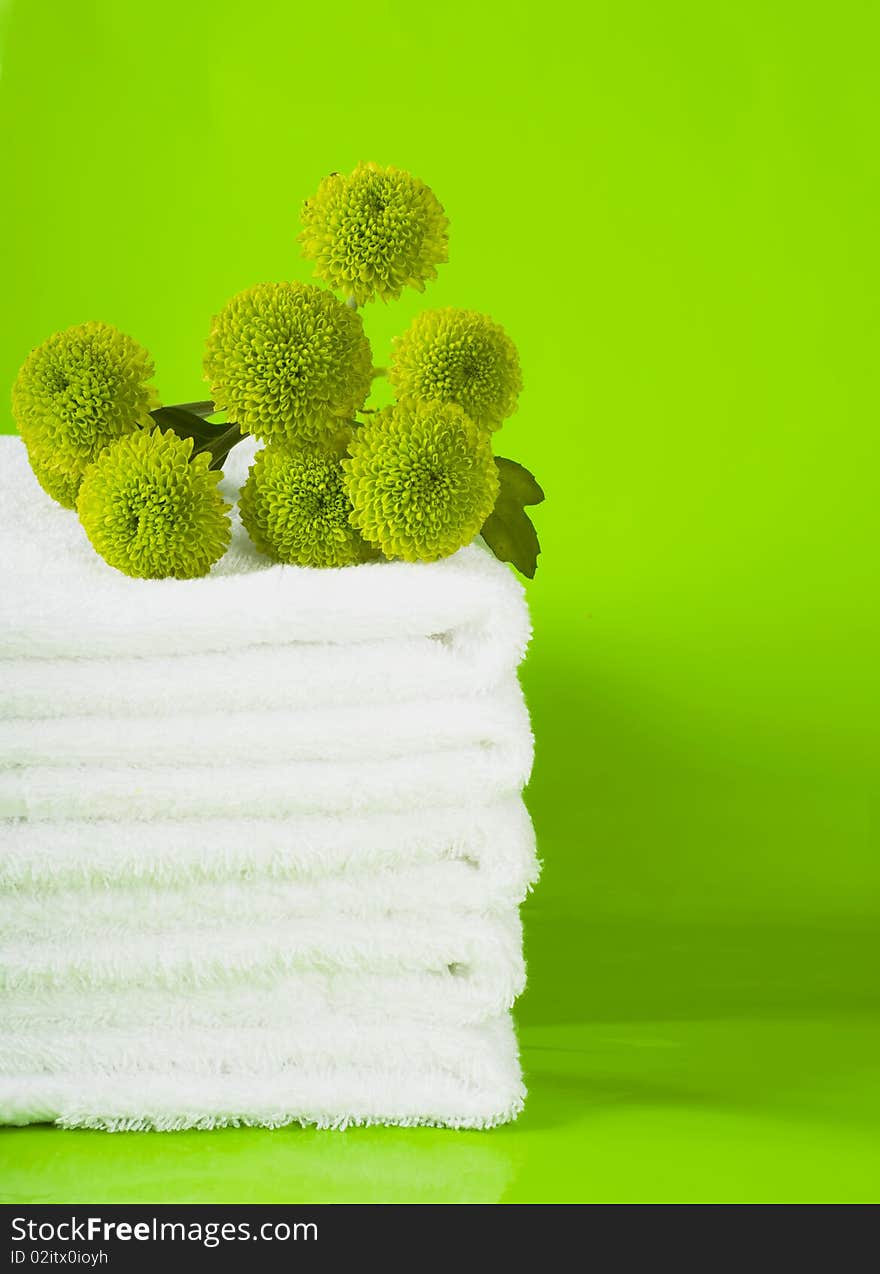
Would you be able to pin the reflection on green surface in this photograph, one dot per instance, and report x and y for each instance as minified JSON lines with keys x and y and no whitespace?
{"x":243,"y":1165}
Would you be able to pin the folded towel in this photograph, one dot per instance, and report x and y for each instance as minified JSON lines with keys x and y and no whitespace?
{"x":497,"y":719}
{"x":258,"y":678}
{"x":201,"y":955}
{"x":330,"y":1041}
{"x":67,"y":602}
{"x":460,"y":998}
{"x":264,"y":843}
{"x":126,"y":912}
{"x":336,"y":1075}
{"x":494,"y":844}
{"x":271,"y":789}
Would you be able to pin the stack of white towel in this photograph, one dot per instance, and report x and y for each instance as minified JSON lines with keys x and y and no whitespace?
{"x":263,"y":841}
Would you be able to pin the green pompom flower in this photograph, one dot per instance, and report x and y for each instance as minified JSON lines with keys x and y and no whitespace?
{"x":288,"y":362}
{"x":295,"y":508}
{"x":374,"y":232}
{"x":61,"y":482}
{"x":422,"y":480}
{"x":458,"y":356}
{"x":151,"y":511}
{"x":75,"y":394}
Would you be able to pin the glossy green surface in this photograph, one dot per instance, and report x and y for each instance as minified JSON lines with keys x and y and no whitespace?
{"x":673,"y":209}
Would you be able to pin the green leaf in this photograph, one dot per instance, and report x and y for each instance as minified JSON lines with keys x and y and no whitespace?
{"x":219,"y":460}
{"x":186,"y":423}
{"x":220,"y":446}
{"x":218,"y":440}
{"x":204,"y":408}
{"x":508,"y":529}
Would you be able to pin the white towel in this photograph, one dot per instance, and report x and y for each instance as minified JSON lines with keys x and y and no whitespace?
{"x":493,"y":844}
{"x":329,"y":1041}
{"x":461,"y":997}
{"x":426,"y":887}
{"x":199,"y":955}
{"x":126,"y":912}
{"x":256,"y":679}
{"x":336,"y":1074}
{"x":60,"y":600}
{"x":271,"y":789}
{"x":352,"y":733}
{"x":263,"y":842}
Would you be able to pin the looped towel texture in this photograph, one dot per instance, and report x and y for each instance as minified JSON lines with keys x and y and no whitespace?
{"x":262,"y":836}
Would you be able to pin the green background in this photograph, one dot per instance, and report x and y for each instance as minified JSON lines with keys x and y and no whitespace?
{"x":673,"y":210}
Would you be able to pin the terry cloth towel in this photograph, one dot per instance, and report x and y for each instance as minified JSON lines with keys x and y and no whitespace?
{"x":460,"y":997}
{"x":357,"y":732}
{"x":334,"y":1074}
{"x":262,"y":840}
{"x":85,"y":923}
{"x":60,"y":600}
{"x":185,"y":1015}
{"x":485,"y":854}
{"x":296,"y":676}
{"x":198,"y":954}
{"x":271,"y":789}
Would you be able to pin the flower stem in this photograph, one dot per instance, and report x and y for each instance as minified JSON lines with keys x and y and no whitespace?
{"x":351,"y":303}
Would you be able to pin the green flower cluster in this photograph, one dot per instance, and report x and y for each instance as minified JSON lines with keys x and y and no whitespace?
{"x":295,"y":507}
{"x":62,"y":482}
{"x":82,"y":403}
{"x":290,"y":363}
{"x":422,"y":480}
{"x":458,"y":356}
{"x":374,"y":232}
{"x":75,"y":394}
{"x":152,"y":510}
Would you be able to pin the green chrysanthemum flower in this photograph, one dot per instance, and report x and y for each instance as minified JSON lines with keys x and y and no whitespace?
{"x":151,"y":511}
{"x":458,"y":356}
{"x":374,"y":232}
{"x":422,"y":480}
{"x":61,"y":482}
{"x":295,"y":508}
{"x":76,"y":393}
{"x":287,"y":362}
